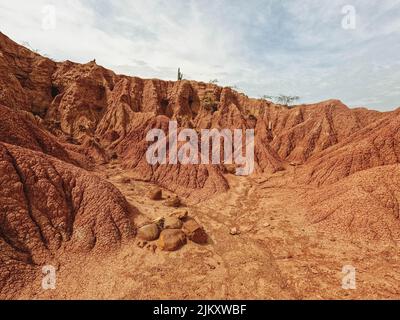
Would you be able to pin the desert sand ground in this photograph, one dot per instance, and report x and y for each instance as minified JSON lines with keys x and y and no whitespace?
{"x":277,"y":255}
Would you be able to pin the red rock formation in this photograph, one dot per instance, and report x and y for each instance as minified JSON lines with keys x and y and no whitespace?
{"x":375,"y":145}
{"x":183,"y":179}
{"x":23,"y":129}
{"x":109,"y":115}
{"x":301,"y":132}
{"x":364,"y":205}
{"x":57,"y":117}
{"x":49,"y":207}
{"x":25,"y":78}
{"x":98,"y":109}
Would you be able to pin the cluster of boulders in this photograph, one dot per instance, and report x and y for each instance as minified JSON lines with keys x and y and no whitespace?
{"x":172,"y":232}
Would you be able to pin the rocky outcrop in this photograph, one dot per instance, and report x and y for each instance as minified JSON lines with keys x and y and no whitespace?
{"x":23,"y":129}
{"x":109,"y":115}
{"x":299,"y":133}
{"x":377,"y":144}
{"x":198,"y":181}
{"x":25,"y":78}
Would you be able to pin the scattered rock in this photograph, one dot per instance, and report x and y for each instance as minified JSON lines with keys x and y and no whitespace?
{"x":314,"y":270}
{"x":180,"y":214}
{"x":160,"y":222}
{"x":289,"y":255}
{"x":172,"y":223}
{"x":171,"y":240}
{"x":156,"y":194}
{"x":285,"y":256}
{"x":149,"y":232}
{"x":174,"y":202}
{"x":141,"y":244}
{"x":230,"y":168}
{"x":195,"y":232}
{"x":235,"y":231}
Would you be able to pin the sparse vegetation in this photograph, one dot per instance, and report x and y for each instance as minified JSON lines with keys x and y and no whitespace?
{"x":209,"y":103}
{"x":28,"y":45}
{"x":282,"y":99}
{"x":180,"y":75}
{"x":234,"y":87}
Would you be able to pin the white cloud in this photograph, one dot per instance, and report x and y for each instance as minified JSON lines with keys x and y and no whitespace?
{"x":293,"y":47}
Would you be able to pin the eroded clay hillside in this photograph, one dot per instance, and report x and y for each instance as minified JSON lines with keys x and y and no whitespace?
{"x":108,"y":113}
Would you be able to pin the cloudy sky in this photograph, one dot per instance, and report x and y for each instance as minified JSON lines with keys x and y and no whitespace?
{"x":294,"y":47}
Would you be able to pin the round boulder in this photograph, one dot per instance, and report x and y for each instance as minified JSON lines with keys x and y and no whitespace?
{"x":195,"y":232}
{"x":235,"y":231}
{"x":156,"y":194}
{"x":230,"y":168}
{"x":149,"y":232}
{"x":174,"y":202}
{"x":172,"y":223}
{"x":171,"y":240}
{"x":183,"y":214}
